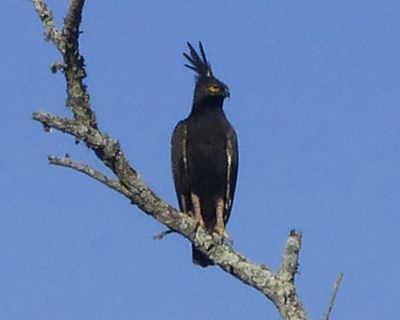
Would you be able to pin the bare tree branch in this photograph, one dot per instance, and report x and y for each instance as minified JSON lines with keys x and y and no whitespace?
{"x":97,"y":175}
{"x":289,"y":264}
{"x":56,"y":66}
{"x":72,"y":23}
{"x":278,"y":287}
{"x":51,"y":32}
{"x":333,"y":296}
{"x":67,"y":43}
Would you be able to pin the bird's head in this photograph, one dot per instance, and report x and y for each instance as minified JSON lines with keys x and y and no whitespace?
{"x":207,"y":86}
{"x":211,"y":88}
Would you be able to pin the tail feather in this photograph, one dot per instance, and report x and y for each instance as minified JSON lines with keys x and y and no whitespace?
{"x":200,"y":258}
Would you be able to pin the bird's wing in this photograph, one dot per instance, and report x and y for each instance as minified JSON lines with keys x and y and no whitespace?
{"x":180,"y":166}
{"x":231,"y":172}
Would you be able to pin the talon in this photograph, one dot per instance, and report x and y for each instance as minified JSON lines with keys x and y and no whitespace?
{"x":189,"y":213}
{"x":224,"y":237}
{"x":220,"y":230}
{"x":227,"y":240}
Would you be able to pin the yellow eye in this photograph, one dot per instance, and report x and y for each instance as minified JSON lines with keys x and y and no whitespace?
{"x":213,"y":89}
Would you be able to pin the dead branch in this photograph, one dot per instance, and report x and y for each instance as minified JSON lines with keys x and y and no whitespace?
{"x":333,"y":296}
{"x":278,"y":287}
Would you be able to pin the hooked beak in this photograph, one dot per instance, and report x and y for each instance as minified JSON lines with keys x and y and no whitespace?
{"x":226,"y":92}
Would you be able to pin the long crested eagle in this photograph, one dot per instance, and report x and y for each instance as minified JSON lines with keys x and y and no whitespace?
{"x":205,"y":154}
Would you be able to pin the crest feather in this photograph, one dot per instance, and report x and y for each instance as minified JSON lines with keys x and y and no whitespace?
{"x":198,"y":64}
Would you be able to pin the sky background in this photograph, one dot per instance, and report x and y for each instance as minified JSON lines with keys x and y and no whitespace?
{"x":315,"y":103}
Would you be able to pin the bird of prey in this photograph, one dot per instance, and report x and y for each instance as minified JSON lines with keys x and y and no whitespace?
{"x":205,"y":154}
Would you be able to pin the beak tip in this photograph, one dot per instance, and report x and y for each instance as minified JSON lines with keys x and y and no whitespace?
{"x":227,"y":93}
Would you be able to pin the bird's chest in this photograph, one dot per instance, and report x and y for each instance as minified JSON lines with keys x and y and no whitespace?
{"x":207,"y":142}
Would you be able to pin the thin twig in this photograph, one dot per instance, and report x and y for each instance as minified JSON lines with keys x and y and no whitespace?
{"x":107,"y":150}
{"x":290,"y":259}
{"x":333,"y":296}
{"x":57,"y":66}
{"x":163,"y":234}
{"x":84,"y":168}
{"x":51,"y":32}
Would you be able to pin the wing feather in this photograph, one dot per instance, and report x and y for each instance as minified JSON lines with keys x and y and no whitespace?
{"x":231,"y":172}
{"x":180,"y":170}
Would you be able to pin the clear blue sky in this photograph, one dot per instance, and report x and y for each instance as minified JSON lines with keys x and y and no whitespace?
{"x":315,"y":102}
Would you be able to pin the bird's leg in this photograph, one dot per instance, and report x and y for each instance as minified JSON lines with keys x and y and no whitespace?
{"x":197,"y":209}
{"x":183,"y":202}
{"x":220,"y":224}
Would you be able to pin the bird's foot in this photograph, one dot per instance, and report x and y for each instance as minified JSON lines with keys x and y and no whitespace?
{"x":227,"y":240}
{"x":224,"y":236}
{"x":199,"y":224}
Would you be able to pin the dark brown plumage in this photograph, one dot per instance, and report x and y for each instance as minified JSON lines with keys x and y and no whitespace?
{"x":205,"y":154}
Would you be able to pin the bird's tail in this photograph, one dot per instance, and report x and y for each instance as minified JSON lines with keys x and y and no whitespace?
{"x":200,"y":259}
